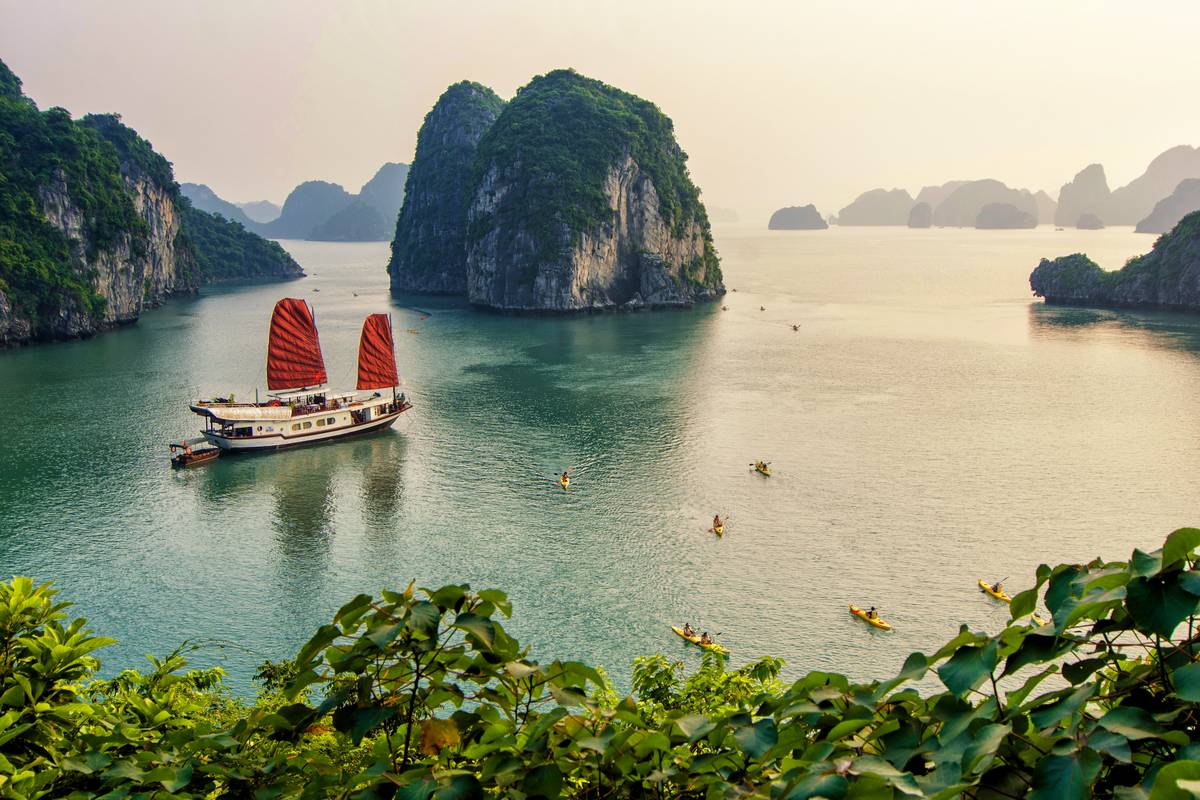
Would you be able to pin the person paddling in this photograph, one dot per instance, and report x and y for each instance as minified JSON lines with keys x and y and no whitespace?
{"x":688,"y":630}
{"x":872,"y":613}
{"x":705,"y":638}
{"x":717,"y":524}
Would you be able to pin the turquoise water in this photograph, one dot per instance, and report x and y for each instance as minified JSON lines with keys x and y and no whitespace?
{"x":929,"y":424}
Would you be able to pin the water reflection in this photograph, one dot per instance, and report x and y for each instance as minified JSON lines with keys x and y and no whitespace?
{"x":1157,"y":329}
{"x":381,"y":460}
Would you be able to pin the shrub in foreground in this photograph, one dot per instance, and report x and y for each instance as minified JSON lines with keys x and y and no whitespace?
{"x":422,"y":694}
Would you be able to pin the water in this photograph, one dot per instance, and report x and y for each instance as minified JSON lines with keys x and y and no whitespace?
{"x":929,"y":424}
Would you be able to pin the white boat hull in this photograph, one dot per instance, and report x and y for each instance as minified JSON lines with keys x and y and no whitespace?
{"x":279,"y":441}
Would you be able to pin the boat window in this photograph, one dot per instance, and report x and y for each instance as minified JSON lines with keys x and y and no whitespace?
{"x":295,"y":426}
{"x":330,"y":421}
{"x":307,"y":425}
{"x":320,"y":423}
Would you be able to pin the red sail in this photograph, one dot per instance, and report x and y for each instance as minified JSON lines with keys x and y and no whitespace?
{"x":377,"y":354}
{"x":294,"y":351}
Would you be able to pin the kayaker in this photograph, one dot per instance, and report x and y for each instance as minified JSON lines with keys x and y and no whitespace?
{"x":687,"y":629}
{"x":795,"y":327}
{"x":872,"y":613}
{"x":716,"y":522}
{"x":565,"y":477}
{"x":705,"y":638}
{"x":996,"y":587}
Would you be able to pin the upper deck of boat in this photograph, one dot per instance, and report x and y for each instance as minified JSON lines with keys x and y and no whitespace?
{"x":288,"y":405}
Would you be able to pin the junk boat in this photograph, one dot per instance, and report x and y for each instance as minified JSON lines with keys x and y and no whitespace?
{"x":301,"y":410}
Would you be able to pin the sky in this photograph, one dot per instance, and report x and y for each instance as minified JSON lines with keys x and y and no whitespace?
{"x":776,"y":103}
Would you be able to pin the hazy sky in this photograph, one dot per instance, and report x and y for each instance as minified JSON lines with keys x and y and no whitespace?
{"x":776,"y":103}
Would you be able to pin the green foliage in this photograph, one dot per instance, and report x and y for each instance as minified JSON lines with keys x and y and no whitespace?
{"x":558,"y":139}
{"x":226,"y":251}
{"x":423,"y":694}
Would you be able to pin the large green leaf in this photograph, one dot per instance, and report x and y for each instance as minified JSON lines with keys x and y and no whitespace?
{"x":1187,"y":682}
{"x":544,"y":781}
{"x":1179,"y":545}
{"x":1023,"y":603}
{"x":980,"y":752}
{"x":1177,"y":781}
{"x":481,"y":628}
{"x":828,"y":786}
{"x":1159,"y":603}
{"x":901,"y":781}
{"x":1132,"y":723}
{"x":1065,"y":777}
{"x":756,"y":739}
{"x":969,"y":666}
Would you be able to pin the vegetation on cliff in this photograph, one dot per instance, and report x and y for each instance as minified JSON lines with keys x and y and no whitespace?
{"x":226,"y":251}
{"x":1168,"y":277}
{"x":422,"y":694}
{"x":555,"y":143}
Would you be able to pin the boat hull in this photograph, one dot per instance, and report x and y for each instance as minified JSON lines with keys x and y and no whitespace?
{"x":281,"y":441}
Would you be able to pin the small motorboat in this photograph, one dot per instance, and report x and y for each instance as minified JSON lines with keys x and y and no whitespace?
{"x":182,"y":454}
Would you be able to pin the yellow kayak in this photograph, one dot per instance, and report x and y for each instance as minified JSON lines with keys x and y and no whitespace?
{"x":876,"y":621}
{"x":986,"y":588}
{"x":762,"y":469}
{"x":696,"y":641}
{"x":719,"y":530}
{"x":564,"y":481}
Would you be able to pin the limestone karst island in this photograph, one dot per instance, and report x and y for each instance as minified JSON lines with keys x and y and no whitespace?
{"x":539,"y":401}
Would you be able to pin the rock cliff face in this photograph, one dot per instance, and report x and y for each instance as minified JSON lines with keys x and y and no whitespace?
{"x":1168,"y":277}
{"x":934,"y":195}
{"x":136,"y":272}
{"x":572,"y":197}
{"x":797,"y":218}
{"x":429,"y":251}
{"x":1089,"y":222}
{"x":96,"y":230}
{"x":921,"y":216}
{"x":583,"y":202}
{"x":878,"y":207}
{"x":1087,"y":193}
{"x":306,"y":207}
{"x":633,"y":259}
{"x":1168,"y":211}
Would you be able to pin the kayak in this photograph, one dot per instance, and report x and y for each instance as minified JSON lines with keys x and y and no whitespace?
{"x":716,"y":648}
{"x":719,"y":530}
{"x":986,"y":588}
{"x":763,"y":469}
{"x":876,"y":621}
{"x":564,"y":481}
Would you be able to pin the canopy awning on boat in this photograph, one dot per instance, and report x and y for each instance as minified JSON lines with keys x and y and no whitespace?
{"x":243,"y":413}
{"x":195,"y":440}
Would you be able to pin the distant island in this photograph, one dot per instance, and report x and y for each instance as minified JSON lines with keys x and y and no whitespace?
{"x":1171,"y":209}
{"x":1004,"y":216}
{"x":878,"y":207}
{"x":319,"y":210}
{"x":260,"y":210}
{"x":797,"y":218}
{"x":96,"y":230}
{"x":1168,"y":277}
{"x":573,"y":196}
{"x":1088,"y":192}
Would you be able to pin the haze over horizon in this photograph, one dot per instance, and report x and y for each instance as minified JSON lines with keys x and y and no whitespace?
{"x":775,"y":104}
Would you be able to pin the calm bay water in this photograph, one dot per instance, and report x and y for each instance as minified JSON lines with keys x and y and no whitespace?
{"x":929,"y":424}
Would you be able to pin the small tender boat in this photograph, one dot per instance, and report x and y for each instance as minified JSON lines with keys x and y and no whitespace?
{"x":762,"y":468}
{"x":716,"y":648}
{"x":876,"y":621}
{"x":301,"y":409}
{"x":999,"y":594}
{"x":182,"y":454}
